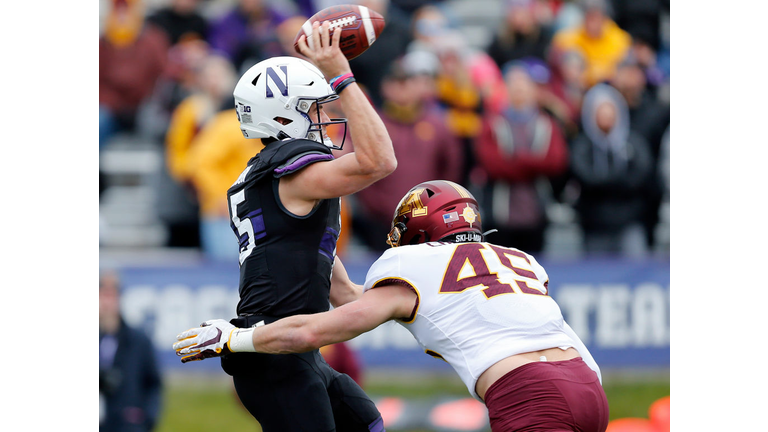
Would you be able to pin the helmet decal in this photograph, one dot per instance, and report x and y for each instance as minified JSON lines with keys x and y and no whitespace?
{"x":469,"y":215}
{"x":412,"y":203}
{"x":281,"y":85}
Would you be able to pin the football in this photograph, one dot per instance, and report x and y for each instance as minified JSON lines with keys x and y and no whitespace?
{"x":360,"y":27}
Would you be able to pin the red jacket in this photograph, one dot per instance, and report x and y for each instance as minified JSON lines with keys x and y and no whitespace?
{"x":425,"y":150}
{"x":127,"y":75}
{"x":524,"y":163}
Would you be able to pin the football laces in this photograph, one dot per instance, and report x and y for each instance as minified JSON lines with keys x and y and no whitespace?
{"x":343,"y":22}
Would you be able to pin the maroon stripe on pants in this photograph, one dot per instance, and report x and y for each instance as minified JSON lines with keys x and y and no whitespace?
{"x":548,"y":396}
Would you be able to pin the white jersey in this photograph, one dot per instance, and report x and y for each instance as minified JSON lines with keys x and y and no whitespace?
{"x":478,"y":303}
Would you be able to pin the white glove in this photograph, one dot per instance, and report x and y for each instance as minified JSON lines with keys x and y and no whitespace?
{"x":208,"y":340}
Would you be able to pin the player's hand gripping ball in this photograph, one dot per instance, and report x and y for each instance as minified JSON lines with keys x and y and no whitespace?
{"x":360,"y":27}
{"x":208,"y":340}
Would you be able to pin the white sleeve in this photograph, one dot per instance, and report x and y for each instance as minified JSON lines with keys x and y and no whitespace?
{"x":582,"y":349}
{"x":386,"y":267}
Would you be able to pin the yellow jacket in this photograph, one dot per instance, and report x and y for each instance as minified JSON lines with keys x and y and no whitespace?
{"x":186,"y":121}
{"x":218,"y":155}
{"x":602,"y":55}
{"x":463,"y":101}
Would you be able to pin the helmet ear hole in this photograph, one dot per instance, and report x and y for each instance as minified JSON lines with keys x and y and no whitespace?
{"x":283,"y":120}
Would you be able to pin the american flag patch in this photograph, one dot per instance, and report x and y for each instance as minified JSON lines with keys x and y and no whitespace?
{"x":451,"y":217}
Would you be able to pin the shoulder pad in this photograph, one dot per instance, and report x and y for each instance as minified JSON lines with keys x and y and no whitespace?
{"x":299,"y":161}
{"x":288,"y":156}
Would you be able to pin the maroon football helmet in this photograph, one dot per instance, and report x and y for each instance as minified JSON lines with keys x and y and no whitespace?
{"x":434,"y":210}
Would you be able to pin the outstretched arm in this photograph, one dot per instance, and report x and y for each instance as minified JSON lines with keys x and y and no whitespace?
{"x":374,"y":156}
{"x":299,"y":333}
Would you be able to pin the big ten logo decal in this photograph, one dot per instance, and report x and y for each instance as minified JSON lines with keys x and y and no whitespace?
{"x":278,"y":80}
{"x":165,"y":311}
{"x":615,"y":315}
{"x":412,"y":203}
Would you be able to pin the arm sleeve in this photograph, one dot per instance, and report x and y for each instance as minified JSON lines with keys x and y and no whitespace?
{"x":386,"y":267}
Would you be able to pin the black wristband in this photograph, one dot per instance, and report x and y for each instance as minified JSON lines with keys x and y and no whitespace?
{"x":340,"y":86}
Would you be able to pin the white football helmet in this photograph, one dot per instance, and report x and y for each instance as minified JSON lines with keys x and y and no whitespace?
{"x":284,"y":88}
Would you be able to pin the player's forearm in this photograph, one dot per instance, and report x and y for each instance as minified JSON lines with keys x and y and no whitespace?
{"x":288,"y":335}
{"x":373,"y":146}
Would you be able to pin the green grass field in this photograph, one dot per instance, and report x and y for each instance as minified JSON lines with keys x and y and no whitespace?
{"x":209,"y":403}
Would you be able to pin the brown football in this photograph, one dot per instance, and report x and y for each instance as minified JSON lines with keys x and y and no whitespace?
{"x":360,"y":27}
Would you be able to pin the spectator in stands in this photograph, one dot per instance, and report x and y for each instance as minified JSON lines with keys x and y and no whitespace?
{"x":566,"y":88}
{"x":641,"y":19}
{"x":178,"y":81}
{"x":130,"y":387}
{"x":599,"y":39}
{"x":518,"y":151}
{"x":181,"y":21}
{"x":247,"y":33}
{"x":520,"y":35}
{"x":370,"y":67}
{"x":217,"y":156}
{"x":428,"y":25}
{"x":458,"y":94}
{"x":649,"y":118}
{"x":425,"y":147}
{"x":612,"y":164}
{"x":132,"y":56}
{"x":286,"y":32}
{"x":177,"y":204}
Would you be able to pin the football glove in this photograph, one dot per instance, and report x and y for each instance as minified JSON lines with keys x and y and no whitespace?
{"x":208,"y":340}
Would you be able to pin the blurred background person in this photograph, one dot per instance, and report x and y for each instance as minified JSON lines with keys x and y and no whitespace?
{"x":181,"y":21}
{"x":132,"y":56}
{"x":649,"y":118}
{"x":643,"y":21}
{"x":286,"y":32}
{"x":247,"y":33}
{"x":130,"y":387}
{"x":428,"y":24}
{"x":611,"y":164}
{"x":178,"y":80}
{"x":424,"y":145}
{"x":566,"y":86}
{"x":518,"y":151}
{"x":458,"y":95}
{"x":370,"y":68}
{"x":177,"y":202}
{"x":600,"y":40}
{"x":217,"y":155}
{"x":520,"y":34}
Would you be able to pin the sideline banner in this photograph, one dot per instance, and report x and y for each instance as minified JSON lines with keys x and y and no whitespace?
{"x":619,"y":308}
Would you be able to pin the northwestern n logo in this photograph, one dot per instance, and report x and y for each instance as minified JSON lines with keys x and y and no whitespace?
{"x":277,"y":80}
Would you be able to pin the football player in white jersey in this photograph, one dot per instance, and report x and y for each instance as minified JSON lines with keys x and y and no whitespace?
{"x":481,"y":307}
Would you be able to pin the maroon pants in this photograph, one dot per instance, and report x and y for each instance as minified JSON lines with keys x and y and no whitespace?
{"x":548,"y":396}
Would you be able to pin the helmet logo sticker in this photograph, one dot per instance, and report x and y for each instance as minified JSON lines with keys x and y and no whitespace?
{"x":412,"y":203}
{"x":274,"y":78}
{"x":451,"y":217}
{"x":469,"y":215}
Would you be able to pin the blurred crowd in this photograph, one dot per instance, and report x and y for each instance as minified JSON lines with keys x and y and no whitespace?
{"x":566,"y":106}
